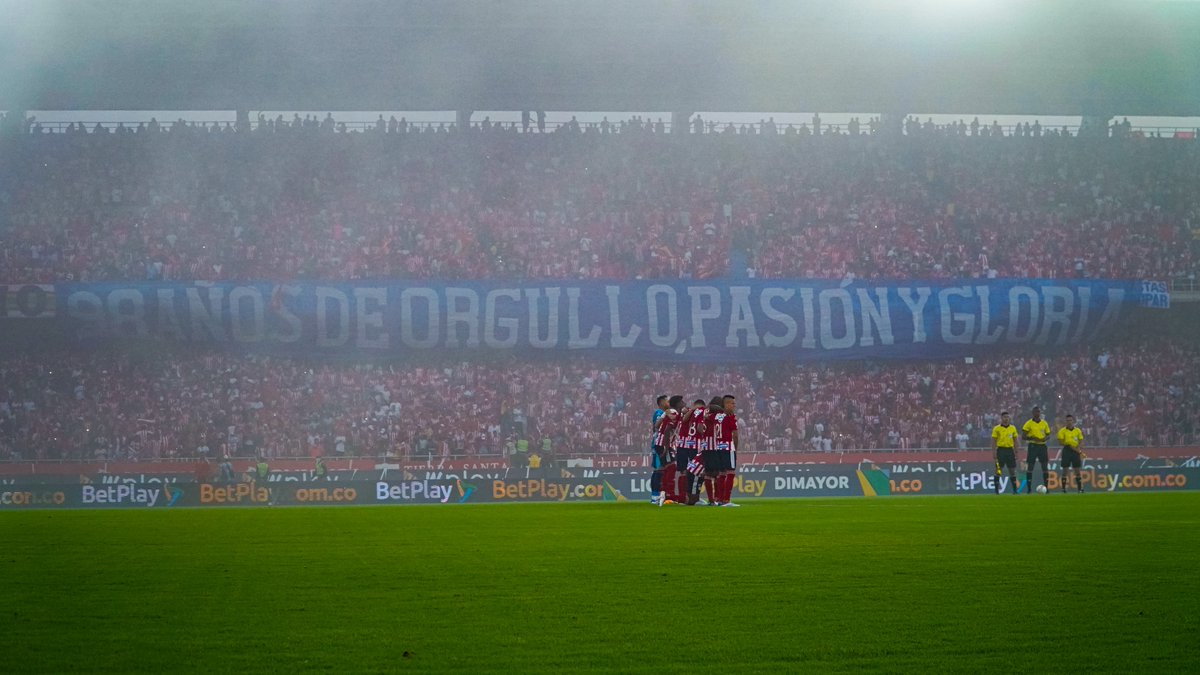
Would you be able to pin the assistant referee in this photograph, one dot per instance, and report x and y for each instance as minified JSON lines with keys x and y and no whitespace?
{"x":1071,"y":438}
{"x":1035,"y":431}
{"x":1004,"y":442}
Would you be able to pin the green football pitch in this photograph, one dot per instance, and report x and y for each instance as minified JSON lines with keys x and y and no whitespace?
{"x":1056,"y":583}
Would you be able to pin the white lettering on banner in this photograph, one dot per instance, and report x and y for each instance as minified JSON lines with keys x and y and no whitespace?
{"x":986,"y":335}
{"x":1043,"y":316}
{"x":1018,"y":296}
{"x":876,"y":317}
{"x":926,"y":467}
{"x":206,"y":319}
{"x":108,"y":478}
{"x":551,"y":339}
{"x":491,"y":323}
{"x":809,"y":341}
{"x":978,"y":480}
{"x":574,"y":338}
{"x":951,"y":319}
{"x":299,"y":477}
{"x":243,"y":330}
{"x":917,"y":307}
{"x":1059,"y":303}
{"x":341,"y":334}
{"x":617,"y":339}
{"x":812,"y":482}
{"x":849,"y":336}
{"x":659,"y":337}
{"x":742,"y":320}
{"x":465,"y":474}
{"x":368,"y":312}
{"x":700,"y":313}
{"x":127,"y":313}
{"x":468,"y":317}
{"x":1155,"y":294}
{"x":789,"y":324}
{"x":285,"y":314}
{"x":168,"y":320}
{"x":124,"y":493}
{"x":433,"y":313}
{"x":1085,"y":308}
{"x":798,"y":318}
{"x":411,"y":491}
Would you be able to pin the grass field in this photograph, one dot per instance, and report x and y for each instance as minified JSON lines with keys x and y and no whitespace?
{"x":1053,"y":584}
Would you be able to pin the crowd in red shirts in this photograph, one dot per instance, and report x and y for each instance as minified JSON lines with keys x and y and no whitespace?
{"x":311,"y":203}
{"x":137,"y":405}
{"x":308,"y":202}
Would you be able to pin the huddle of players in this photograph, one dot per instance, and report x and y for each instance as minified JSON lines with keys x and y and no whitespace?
{"x":694,"y":447}
{"x":1036,"y":431}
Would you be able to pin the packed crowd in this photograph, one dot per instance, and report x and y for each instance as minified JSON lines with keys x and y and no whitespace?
{"x":292,"y":202}
{"x":303,"y":201}
{"x":145,"y":406}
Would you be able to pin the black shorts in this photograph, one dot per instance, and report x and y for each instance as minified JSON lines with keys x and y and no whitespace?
{"x":682,"y":457}
{"x":712,"y":461}
{"x":1006,"y":457}
{"x":728,"y":459}
{"x":1071,"y":458}
{"x":1037,"y":452}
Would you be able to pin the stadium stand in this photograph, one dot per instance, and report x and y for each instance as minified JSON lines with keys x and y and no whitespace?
{"x":137,"y":406}
{"x":311,"y":203}
{"x":310,"y":200}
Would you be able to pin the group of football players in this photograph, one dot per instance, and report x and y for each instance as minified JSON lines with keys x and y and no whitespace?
{"x":693,"y":448}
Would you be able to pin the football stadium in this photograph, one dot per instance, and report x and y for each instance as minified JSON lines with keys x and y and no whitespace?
{"x":543,"y":336}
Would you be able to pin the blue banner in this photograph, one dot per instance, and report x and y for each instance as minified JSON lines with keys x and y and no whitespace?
{"x":717,"y":321}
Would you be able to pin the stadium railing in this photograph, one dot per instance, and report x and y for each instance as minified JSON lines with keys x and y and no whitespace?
{"x":1186,"y":443}
{"x":1184,"y":133}
{"x":1185,"y":285}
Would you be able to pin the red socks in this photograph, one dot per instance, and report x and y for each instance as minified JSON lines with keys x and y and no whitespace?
{"x":720,"y":489}
{"x":669,"y":483}
{"x":725,"y":488}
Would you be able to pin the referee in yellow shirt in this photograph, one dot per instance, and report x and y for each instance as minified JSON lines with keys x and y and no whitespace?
{"x":1004,"y":447}
{"x":1072,"y":452}
{"x":1035,"y":431}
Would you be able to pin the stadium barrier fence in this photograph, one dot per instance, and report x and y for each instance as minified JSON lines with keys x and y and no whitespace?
{"x":75,"y":471}
{"x":868,"y":479}
{"x":418,"y":126}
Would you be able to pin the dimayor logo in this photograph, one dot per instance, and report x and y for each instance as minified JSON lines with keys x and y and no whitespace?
{"x":465,"y":490}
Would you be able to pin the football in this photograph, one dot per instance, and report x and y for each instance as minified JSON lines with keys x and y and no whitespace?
{"x":1041,"y":489}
